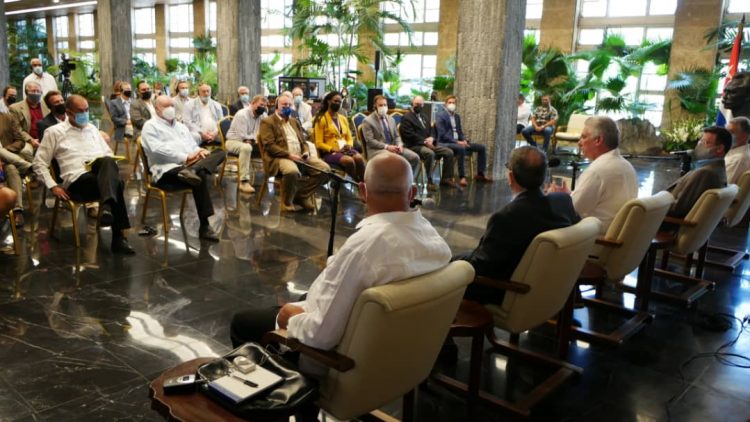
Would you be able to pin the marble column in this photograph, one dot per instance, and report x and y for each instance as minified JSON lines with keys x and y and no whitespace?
{"x":558,"y":25}
{"x":689,"y":50}
{"x":4,"y":65}
{"x":238,"y":47}
{"x":115,"y":42}
{"x":488,"y":72}
{"x":447,"y":35}
{"x":160,"y":19}
{"x":51,"y":46}
{"x":200,"y":18}
{"x":72,"y":32}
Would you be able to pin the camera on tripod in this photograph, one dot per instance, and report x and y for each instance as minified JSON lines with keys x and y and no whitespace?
{"x":66,"y":66}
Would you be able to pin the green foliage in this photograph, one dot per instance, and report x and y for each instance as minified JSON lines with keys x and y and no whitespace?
{"x":26,"y":40}
{"x":268,"y":74}
{"x":346,"y":20}
{"x":85,"y":77}
{"x":696,"y":90}
{"x":445,"y":83}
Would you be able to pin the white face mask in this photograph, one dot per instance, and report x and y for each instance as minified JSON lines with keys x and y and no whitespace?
{"x":168,"y":113}
{"x":383,"y":110}
{"x":204,"y":100}
{"x":37,"y":69}
{"x":184,"y":92}
{"x":297,"y":100}
{"x":451,"y":107}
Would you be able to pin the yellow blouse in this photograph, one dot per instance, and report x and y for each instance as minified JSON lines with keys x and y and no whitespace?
{"x":327,"y":134}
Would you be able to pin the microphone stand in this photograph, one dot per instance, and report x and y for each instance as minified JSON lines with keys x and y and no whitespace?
{"x":336,"y":181}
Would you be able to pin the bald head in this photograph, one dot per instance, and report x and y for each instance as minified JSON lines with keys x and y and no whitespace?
{"x":388,"y":184}
{"x":162,"y":102}
{"x":417,"y":101}
{"x":287,"y":94}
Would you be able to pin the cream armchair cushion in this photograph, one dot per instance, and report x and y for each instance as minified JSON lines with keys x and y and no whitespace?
{"x":574,"y":128}
{"x":394,"y":335}
{"x":738,"y":209}
{"x":706,"y":213}
{"x":550,"y":267}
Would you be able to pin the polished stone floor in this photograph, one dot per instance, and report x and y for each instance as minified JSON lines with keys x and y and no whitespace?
{"x":82,"y":332}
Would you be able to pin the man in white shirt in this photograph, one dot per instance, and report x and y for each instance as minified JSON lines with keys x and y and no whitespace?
{"x":9,"y":97}
{"x":73,"y":143}
{"x":610,"y":181}
{"x":737,"y":160}
{"x":38,"y":75}
{"x":392,"y":243}
{"x":202,"y":116}
{"x":303,"y":110}
{"x":243,"y":134}
{"x":181,"y":99}
{"x":524,"y":113}
{"x":177,"y":162}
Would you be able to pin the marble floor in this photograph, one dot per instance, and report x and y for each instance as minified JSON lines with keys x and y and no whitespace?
{"x":83,"y":332}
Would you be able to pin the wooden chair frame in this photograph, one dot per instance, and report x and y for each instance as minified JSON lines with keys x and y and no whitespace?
{"x":14,"y":232}
{"x":162,"y":193}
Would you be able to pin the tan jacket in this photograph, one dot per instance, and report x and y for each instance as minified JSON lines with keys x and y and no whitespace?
{"x":11,"y":135}
{"x":271,"y":134}
{"x":20,"y":111}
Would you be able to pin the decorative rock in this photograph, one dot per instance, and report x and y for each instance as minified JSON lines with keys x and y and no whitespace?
{"x":638,"y":137}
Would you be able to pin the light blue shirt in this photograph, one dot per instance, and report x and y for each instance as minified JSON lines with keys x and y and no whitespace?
{"x":167,"y":145}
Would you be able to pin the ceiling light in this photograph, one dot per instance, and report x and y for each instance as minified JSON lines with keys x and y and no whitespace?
{"x":41,"y":9}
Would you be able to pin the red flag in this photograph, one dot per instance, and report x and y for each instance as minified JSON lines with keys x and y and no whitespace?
{"x":734,"y":58}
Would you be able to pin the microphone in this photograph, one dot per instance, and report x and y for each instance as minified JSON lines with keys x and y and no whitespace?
{"x":426,"y":203}
{"x":553,"y":162}
{"x":681,"y":153}
{"x":330,"y":174}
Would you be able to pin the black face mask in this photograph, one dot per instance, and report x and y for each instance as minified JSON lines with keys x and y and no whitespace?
{"x":335,"y":107}
{"x":417,"y":109}
{"x":146,"y":95}
{"x":260,"y":110}
{"x":127,"y":93}
{"x":59,"y":109}
{"x":10,"y":100}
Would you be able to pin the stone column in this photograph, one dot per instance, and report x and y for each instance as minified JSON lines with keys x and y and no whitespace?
{"x":447,"y":35}
{"x":488,"y":74}
{"x":72,"y":32}
{"x":51,"y":44}
{"x":689,"y":50}
{"x":200,"y":18}
{"x":115,"y":42}
{"x":160,"y":20}
{"x":559,"y":24}
{"x":4,"y":66}
{"x":238,"y":47}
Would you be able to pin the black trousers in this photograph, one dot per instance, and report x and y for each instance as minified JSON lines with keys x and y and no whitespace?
{"x":252,"y":324}
{"x":477,"y":292}
{"x":103,"y":184}
{"x":201,"y":193}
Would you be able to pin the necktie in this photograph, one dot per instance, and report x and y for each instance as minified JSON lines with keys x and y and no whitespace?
{"x":386,"y":131}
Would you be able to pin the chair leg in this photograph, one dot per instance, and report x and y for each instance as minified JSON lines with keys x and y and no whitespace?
{"x":221,"y":173}
{"x":408,"y":407}
{"x":145,"y":205}
{"x":699,"y":266}
{"x":563,"y":325}
{"x":14,"y":232}
{"x":262,"y":189}
{"x":29,"y":197}
{"x":117,"y":147}
{"x":164,"y":215}
{"x":126,"y":141}
{"x":54,"y":217}
{"x":74,"y":216}
{"x":182,"y":204}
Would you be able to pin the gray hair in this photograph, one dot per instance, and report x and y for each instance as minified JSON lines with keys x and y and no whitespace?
{"x":606,"y":128}
{"x":388,"y":174}
{"x":743,"y":123}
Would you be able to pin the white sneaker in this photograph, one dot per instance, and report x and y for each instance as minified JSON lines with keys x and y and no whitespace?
{"x":246,"y":187}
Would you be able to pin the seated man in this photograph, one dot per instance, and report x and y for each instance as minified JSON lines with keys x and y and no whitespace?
{"x":181,"y":99}
{"x":416,"y":135}
{"x":177,"y":162}
{"x":9,"y":98}
{"x":241,"y":136}
{"x":17,"y":162}
{"x":543,"y":122}
{"x":380,"y":134}
{"x":283,"y":144}
{"x":142,"y":109}
{"x":73,"y":143}
{"x":56,"y":104}
{"x":243,"y":100}
{"x":451,"y":135}
{"x":27,"y":113}
{"x":202,"y":116}
{"x":303,"y":110}
{"x":610,"y":181}
{"x":737,"y":159}
{"x":119,"y":109}
{"x":392,"y":243}
{"x":510,"y":231}
{"x":710,"y":172}
{"x":524,"y":112}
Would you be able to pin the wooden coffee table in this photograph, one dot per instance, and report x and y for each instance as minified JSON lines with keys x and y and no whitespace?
{"x":192,"y":407}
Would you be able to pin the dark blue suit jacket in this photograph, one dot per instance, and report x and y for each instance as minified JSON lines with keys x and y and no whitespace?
{"x":445,"y":130}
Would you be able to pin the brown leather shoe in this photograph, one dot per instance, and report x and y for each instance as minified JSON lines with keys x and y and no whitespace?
{"x":482,"y":178}
{"x":431,"y":187}
{"x":306,"y":203}
{"x":463,"y":182}
{"x":290,"y":208}
{"x":448,"y":182}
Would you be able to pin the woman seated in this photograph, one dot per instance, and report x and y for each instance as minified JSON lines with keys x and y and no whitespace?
{"x":334,"y":139}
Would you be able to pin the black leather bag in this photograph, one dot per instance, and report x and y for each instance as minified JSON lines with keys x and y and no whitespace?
{"x":277,"y":403}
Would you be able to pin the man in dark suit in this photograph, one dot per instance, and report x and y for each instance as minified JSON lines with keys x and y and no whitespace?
{"x":56,"y":104}
{"x":510,"y":230}
{"x":119,"y":110}
{"x":282,"y":151}
{"x":710,"y":172}
{"x":451,"y":135}
{"x":380,"y":134}
{"x":142,"y":109}
{"x":417,"y":136}
{"x":243,"y":100}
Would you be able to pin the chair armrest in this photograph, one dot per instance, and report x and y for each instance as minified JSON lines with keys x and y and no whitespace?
{"x":607,"y":242}
{"x":328,"y":358}
{"x":502,"y":284}
{"x":680,"y":221}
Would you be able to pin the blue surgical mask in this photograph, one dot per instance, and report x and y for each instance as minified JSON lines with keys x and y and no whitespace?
{"x":82,"y":119}
{"x":245,"y":98}
{"x":286,"y":112}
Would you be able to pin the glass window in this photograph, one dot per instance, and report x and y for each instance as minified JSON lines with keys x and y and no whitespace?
{"x":145,"y":43}
{"x":183,"y":57}
{"x":41,"y":23}
{"x":148,"y":58}
{"x":632,"y":36}
{"x":534,"y":9}
{"x":273,"y":14}
{"x":430,"y":38}
{"x":662,"y":7}
{"x":274,"y":41}
{"x":212,"y":16}
{"x":590,"y":36}
{"x":627,"y":8}
{"x":594,"y":8}
{"x":659,"y":34}
{"x":181,"y":18}
{"x":145,"y":21}
{"x":180,"y":43}
{"x":87,"y":45}
{"x":86,"y":25}
{"x":415,"y":70}
{"x":61,"y":27}
{"x":739,"y":6}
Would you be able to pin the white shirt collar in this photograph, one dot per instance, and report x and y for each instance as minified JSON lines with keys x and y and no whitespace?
{"x":396,"y":217}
